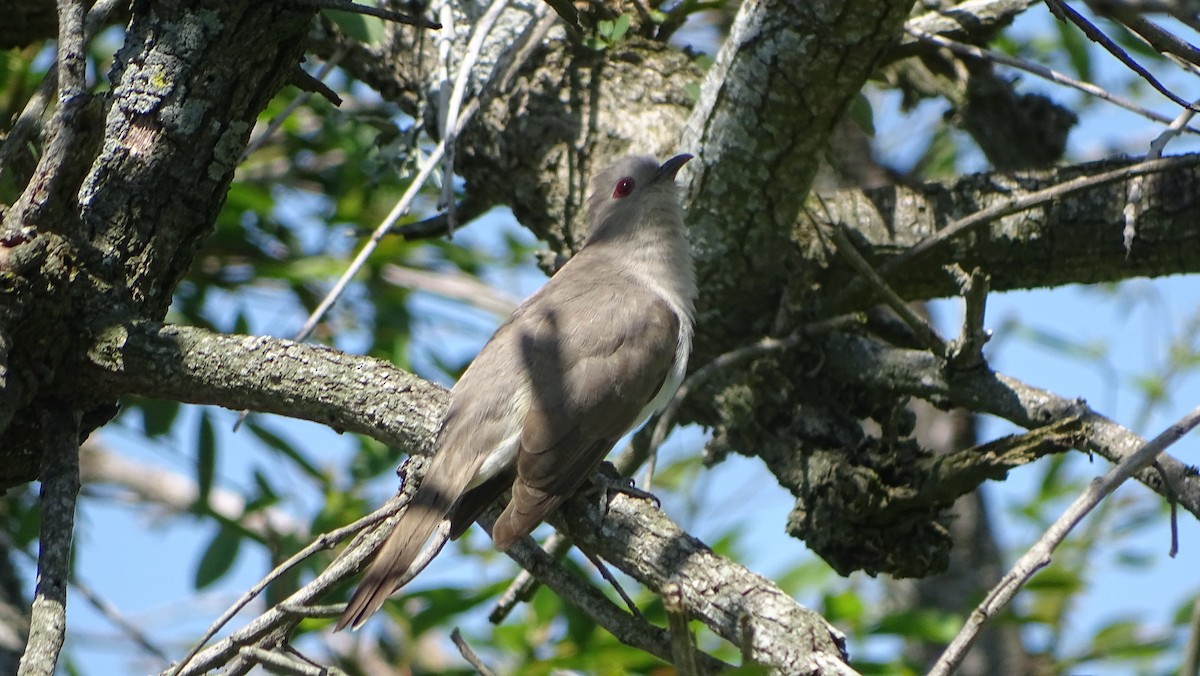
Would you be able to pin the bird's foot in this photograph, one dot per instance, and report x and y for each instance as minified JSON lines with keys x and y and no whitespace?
{"x":609,"y":481}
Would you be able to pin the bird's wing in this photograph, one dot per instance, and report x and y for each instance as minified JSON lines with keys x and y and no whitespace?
{"x":473,"y":428}
{"x":594,"y":365}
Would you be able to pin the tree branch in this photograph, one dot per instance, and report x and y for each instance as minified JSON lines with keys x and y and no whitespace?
{"x":1031,"y":218}
{"x":1038,"y":556}
{"x":783,"y":78}
{"x":310,"y":382}
{"x":868,"y":363}
{"x":60,"y":490}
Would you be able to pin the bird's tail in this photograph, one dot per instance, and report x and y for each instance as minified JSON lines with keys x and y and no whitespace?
{"x":429,"y":507}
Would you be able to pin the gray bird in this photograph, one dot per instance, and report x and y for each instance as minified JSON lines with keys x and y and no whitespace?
{"x":589,"y":357}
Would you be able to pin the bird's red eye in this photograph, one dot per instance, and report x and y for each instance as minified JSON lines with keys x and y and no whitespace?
{"x":624,"y":187}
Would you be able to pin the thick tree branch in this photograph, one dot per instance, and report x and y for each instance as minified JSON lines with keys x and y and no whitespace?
{"x":1064,"y":237}
{"x":259,"y":373}
{"x":784,"y":77}
{"x":741,"y":606}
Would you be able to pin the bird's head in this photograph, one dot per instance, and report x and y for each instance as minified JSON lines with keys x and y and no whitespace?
{"x":634,"y":192}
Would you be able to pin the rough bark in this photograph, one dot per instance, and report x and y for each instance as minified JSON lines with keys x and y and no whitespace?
{"x":117,"y":211}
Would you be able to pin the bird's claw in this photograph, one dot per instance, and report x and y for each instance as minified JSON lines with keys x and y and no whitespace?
{"x":608,"y":481}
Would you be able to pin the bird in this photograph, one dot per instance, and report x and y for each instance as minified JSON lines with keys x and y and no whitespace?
{"x":590,"y":356}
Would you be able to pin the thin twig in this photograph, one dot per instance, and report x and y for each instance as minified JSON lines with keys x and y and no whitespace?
{"x":612,"y":581}
{"x":918,"y":324}
{"x":627,"y":628}
{"x":1063,"y":10}
{"x":1134,"y":197}
{"x":963,"y":49}
{"x":323,"y":541}
{"x":369,"y":10}
{"x":281,"y":663}
{"x":26,"y":123}
{"x":292,"y":106}
{"x":966,"y":352}
{"x":524,"y":584}
{"x":1038,"y":555}
{"x":1163,"y":41}
{"x":60,"y":490}
{"x":683,"y":644}
{"x":99,"y":603}
{"x":521,"y":50}
{"x":469,"y":655}
{"x":1173,"y":502}
{"x":479,"y":33}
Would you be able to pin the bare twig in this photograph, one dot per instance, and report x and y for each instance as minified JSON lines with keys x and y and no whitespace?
{"x":533,"y":34}
{"x":479,"y":33}
{"x":963,"y":49}
{"x":918,"y":324}
{"x":627,"y":628}
{"x":524,"y":584}
{"x":520,"y":51}
{"x":683,"y":644}
{"x":60,"y":490}
{"x":612,"y":581}
{"x":324,"y":541}
{"x":1038,"y":555}
{"x":370,"y":10}
{"x":469,"y":655}
{"x":1063,"y":10}
{"x":100,"y":604}
{"x":282,"y":663}
{"x":294,"y":105}
{"x":1163,"y":41}
{"x":966,"y":352}
{"x":1134,"y":200}
{"x":27,"y":122}
{"x":47,"y":185}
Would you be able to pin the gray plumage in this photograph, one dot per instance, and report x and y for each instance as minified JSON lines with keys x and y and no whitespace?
{"x":581,"y":362}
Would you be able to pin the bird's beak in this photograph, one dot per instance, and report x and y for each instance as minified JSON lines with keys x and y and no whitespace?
{"x":669,"y":168}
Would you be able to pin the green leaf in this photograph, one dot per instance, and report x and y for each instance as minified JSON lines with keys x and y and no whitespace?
{"x":444,"y":603}
{"x":1076,"y":46}
{"x":206,"y":457}
{"x":862,"y":115}
{"x":278,"y":443}
{"x":366,"y":29}
{"x":620,"y":28}
{"x":157,"y":415}
{"x":219,"y":557}
{"x":844,"y":607}
{"x":922,"y":624}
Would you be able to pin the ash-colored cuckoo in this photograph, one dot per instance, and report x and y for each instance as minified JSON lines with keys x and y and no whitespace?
{"x":590,"y":356}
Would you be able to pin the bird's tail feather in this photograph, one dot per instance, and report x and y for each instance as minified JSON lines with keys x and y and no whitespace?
{"x":429,"y":507}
